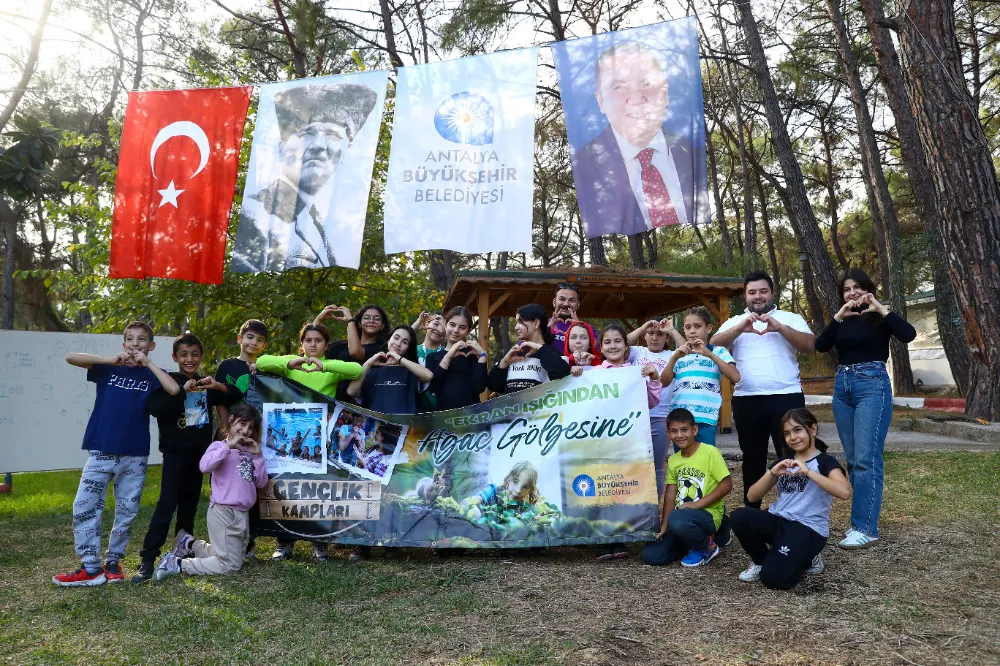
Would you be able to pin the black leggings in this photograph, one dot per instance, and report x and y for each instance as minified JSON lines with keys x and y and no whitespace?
{"x":758,"y":418}
{"x":783,"y":548}
{"x":180,"y":490}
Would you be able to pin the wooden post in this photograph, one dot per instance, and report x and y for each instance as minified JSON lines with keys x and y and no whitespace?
{"x":484,"y":318}
{"x":726,"y":412}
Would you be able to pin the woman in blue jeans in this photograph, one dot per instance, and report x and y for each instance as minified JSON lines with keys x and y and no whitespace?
{"x":862,"y":398}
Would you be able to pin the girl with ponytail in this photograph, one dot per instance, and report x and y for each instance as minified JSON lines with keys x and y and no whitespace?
{"x":785,"y":542}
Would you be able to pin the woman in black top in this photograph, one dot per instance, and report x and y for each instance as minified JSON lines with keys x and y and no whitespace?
{"x":367,"y":334}
{"x":862,"y":397}
{"x":460,"y":368}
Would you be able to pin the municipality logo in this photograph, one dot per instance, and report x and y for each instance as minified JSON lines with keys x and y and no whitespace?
{"x":467,"y":118}
{"x":584,"y":486}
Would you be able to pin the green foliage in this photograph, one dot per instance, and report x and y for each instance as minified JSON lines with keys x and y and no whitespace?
{"x":23,"y":165}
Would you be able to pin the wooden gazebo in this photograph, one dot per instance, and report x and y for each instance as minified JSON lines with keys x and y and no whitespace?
{"x":632,"y":297}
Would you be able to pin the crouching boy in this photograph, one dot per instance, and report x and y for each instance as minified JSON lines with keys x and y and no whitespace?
{"x":697,"y":482}
{"x":238,"y":469}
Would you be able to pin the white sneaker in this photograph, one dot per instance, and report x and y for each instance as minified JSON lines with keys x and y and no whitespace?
{"x":752,"y":574}
{"x":856,"y":540}
{"x":817,"y":566}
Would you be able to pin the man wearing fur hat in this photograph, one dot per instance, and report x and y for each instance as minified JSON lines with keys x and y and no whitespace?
{"x":285,"y":224}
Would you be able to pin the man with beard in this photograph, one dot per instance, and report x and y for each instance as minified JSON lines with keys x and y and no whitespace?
{"x":763,"y":341}
{"x":564,"y":307}
{"x":286,"y":225}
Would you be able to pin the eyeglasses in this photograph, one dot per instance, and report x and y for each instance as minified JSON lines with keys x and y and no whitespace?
{"x":568,"y":285}
{"x":371,"y":318}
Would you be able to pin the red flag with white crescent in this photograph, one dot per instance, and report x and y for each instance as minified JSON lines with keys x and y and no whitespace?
{"x":176,"y":179}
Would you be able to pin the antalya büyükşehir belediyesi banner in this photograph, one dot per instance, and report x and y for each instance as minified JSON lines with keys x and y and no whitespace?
{"x":568,"y":462}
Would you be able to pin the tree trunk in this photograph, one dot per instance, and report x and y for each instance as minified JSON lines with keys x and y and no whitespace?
{"x":720,"y":208}
{"x":442,"y":270}
{"x":29,"y":68}
{"x":891,"y":75}
{"x":598,"y":257}
{"x":887,"y":231}
{"x":831,"y":194}
{"x":635,"y":251}
{"x":965,"y":181}
{"x":768,"y":237}
{"x":824,"y":278}
{"x":9,"y":221}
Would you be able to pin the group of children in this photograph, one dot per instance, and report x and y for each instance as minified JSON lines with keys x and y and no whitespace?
{"x":384,"y":369}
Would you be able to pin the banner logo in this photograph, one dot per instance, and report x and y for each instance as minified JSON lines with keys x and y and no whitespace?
{"x":467,"y":118}
{"x":584,"y":486}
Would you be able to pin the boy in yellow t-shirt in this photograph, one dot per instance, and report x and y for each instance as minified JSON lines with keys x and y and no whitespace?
{"x":697,"y":482}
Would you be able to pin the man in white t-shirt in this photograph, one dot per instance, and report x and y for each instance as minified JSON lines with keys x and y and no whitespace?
{"x":763,"y":341}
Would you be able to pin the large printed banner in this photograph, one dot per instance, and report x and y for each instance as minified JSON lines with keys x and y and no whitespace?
{"x":635,"y":120}
{"x":306,"y":193}
{"x":564,"y":463}
{"x":461,"y":171}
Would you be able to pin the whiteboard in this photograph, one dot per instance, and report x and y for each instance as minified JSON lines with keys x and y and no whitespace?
{"x":45,"y":402}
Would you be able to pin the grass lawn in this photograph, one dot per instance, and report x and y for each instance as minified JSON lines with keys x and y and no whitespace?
{"x":926,"y":595}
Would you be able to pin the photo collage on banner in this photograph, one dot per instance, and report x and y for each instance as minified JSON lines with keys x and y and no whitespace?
{"x":461,"y":168}
{"x":635,"y":119}
{"x":306,"y":193}
{"x":364,"y":445}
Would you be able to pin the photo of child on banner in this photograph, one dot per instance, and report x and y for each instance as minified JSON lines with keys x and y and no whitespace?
{"x":565,"y":463}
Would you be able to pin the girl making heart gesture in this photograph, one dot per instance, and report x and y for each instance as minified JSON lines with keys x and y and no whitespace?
{"x":459,"y":370}
{"x":392,"y":379}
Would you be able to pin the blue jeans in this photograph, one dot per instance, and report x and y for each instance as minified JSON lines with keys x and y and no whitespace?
{"x":706,"y":433}
{"x":862,"y":408}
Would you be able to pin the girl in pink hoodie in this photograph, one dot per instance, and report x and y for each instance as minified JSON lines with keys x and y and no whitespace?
{"x":238,"y":470}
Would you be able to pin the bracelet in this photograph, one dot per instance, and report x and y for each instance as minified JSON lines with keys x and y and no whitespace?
{"x":483,"y":355}
{"x":838,"y":320}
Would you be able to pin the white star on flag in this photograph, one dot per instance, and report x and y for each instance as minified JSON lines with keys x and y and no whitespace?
{"x":170,"y":195}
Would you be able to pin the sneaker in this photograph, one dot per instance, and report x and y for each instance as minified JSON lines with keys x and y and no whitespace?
{"x":80,"y":578}
{"x":751,"y":574}
{"x":817,"y":566}
{"x":144,"y":572}
{"x":856,"y":540}
{"x":170,"y":565}
{"x":320,"y":553}
{"x":605,"y":553}
{"x":183,"y":544}
{"x":113,"y":572}
{"x":697,"y":558}
{"x":359,"y":553}
{"x":282,"y":552}
{"x":620,"y":552}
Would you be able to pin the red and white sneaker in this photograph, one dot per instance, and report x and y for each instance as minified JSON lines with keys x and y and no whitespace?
{"x":80,"y":578}
{"x":113,"y":572}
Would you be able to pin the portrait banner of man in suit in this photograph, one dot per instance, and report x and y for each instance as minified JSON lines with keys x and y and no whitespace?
{"x":635,"y":120}
{"x":306,"y":193}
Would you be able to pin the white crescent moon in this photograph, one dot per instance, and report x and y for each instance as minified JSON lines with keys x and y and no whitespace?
{"x":181,"y":128}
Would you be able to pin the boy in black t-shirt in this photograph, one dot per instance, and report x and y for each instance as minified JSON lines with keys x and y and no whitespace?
{"x":185,"y":424}
{"x":237,"y":372}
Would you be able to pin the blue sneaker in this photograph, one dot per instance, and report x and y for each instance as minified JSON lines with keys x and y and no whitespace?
{"x":697,"y":558}
{"x":170,"y":565}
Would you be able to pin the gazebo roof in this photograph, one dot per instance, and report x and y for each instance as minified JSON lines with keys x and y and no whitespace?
{"x":604,"y":293}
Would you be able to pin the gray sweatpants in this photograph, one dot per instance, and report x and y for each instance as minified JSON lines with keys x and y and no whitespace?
{"x":128,"y":473}
{"x":228,"y":533}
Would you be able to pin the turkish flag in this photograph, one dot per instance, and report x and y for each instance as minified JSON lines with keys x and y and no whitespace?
{"x":176,"y":180}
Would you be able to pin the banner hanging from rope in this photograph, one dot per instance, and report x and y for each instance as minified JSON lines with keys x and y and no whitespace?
{"x":635,"y":119}
{"x":461,"y":163}
{"x":306,"y":193}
